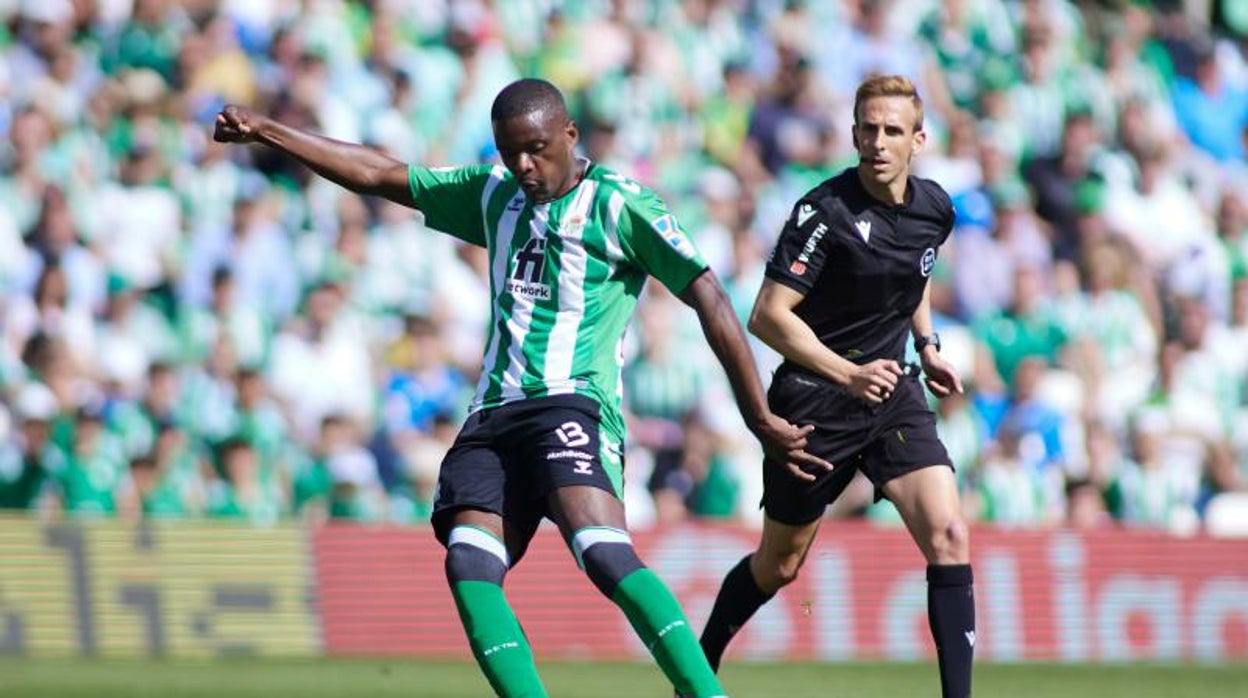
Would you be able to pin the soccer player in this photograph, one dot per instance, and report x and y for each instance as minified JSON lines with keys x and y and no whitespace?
{"x":570,"y":244}
{"x":849,"y":280}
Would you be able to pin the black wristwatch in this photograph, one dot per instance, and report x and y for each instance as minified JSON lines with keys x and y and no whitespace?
{"x":925,"y":341}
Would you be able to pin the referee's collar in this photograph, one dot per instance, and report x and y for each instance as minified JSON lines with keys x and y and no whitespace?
{"x":911,"y":190}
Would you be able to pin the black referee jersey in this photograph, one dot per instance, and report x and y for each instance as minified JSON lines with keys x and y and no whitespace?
{"x":861,"y":263}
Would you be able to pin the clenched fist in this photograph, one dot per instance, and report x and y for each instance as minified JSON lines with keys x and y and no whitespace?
{"x":236,"y":124}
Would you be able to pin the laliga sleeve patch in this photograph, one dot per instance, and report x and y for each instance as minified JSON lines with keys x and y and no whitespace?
{"x":668,"y":229}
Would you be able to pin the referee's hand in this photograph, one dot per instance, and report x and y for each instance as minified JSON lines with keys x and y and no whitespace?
{"x":785,"y":443}
{"x":875,"y":382}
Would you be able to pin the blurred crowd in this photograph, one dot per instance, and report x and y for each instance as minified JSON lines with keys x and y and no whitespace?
{"x":189,"y":329}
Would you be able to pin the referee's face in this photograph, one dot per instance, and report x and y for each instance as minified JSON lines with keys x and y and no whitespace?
{"x":886,"y":138}
{"x":538,"y":150}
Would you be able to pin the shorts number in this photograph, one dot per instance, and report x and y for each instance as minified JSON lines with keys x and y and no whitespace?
{"x":572,"y":435}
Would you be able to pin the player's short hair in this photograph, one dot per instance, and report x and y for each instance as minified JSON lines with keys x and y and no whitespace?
{"x":526,"y":96}
{"x":890,"y":86}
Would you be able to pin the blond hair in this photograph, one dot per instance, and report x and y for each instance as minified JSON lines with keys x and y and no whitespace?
{"x":890,"y":86}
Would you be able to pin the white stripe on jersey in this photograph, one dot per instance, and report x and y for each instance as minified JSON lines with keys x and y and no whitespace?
{"x":573,"y":263}
{"x":520,"y":319}
{"x":498,"y":282}
{"x":615,"y":206}
{"x":496,"y":178}
{"x":615,"y":254}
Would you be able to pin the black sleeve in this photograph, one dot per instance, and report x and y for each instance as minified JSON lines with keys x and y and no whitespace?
{"x":948,"y":215}
{"x":802,"y":248}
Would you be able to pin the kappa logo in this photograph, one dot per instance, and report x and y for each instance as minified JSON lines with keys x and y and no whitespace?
{"x":516,"y":203}
{"x":970,"y":637}
{"x":804,"y":212}
{"x":864,"y":229}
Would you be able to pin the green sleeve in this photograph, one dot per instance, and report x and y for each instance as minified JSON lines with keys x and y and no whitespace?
{"x":657,"y":242}
{"x":450,"y":198}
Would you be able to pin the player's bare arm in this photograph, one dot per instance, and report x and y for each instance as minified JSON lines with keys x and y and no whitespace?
{"x":356,"y":167}
{"x":774,"y":321}
{"x":782,"y":441}
{"x":941,"y":377}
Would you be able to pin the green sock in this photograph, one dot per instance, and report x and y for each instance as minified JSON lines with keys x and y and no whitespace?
{"x":660,"y":623}
{"x":497,"y":640}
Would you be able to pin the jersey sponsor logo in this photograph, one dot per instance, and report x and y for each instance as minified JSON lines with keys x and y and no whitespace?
{"x":804,"y":212}
{"x":583,"y":467}
{"x":927,"y":262}
{"x":864,"y":229}
{"x":666,"y":227}
{"x":528,"y":267}
{"x":538,"y":292}
{"x":799,"y":265}
{"x":568,"y":453}
{"x":529,"y":264}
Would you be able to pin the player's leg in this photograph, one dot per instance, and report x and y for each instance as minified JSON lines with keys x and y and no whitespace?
{"x":592,"y":522}
{"x":755,"y":579}
{"x":927,"y":499}
{"x":477,"y":560}
{"x":480,"y":548}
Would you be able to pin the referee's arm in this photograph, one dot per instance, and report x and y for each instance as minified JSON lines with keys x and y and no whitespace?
{"x":942,"y":378}
{"x":773,"y":321}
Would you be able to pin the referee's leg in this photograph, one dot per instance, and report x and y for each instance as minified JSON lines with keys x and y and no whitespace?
{"x":755,"y":579}
{"x":927,"y":500}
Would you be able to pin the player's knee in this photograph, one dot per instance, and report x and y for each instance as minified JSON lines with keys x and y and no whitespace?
{"x":606,"y":555}
{"x":473,"y":555}
{"x":951,"y":543}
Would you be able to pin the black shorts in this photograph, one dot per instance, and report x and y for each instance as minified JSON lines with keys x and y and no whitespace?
{"x":508,"y":459}
{"x":882,"y":441}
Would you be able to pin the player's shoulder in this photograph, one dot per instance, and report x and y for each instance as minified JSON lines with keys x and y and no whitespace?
{"x":611,"y":182}
{"x":930,"y":195}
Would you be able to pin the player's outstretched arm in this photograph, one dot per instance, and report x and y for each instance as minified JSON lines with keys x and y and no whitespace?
{"x":356,"y":167}
{"x":782,"y":442}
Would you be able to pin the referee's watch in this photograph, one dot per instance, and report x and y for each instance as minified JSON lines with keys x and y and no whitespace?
{"x":924,"y":341}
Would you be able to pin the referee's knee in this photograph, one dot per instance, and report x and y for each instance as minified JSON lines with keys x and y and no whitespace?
{"x":774,"y":572}
{"x":950,"y":543}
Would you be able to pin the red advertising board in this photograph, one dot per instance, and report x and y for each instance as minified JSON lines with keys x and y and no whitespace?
{"x":1053,"y":595}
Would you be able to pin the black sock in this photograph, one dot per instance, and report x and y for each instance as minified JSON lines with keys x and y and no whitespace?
{"x":738,"y":599}
{"x":951,"y":614}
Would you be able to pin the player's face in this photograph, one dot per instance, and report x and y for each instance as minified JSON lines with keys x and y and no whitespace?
{"x":886,"y":139}
{"x":537,"y":149}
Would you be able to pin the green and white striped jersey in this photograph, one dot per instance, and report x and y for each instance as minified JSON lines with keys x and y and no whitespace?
{"x":564,"y":276}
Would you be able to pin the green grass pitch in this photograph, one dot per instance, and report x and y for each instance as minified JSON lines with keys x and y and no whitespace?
{"x":245,"y":678}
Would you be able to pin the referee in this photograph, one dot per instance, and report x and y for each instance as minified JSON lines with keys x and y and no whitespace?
{"x":847,"y":286}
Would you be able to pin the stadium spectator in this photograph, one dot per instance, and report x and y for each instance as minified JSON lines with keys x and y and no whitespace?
{"x":167,"y":242}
